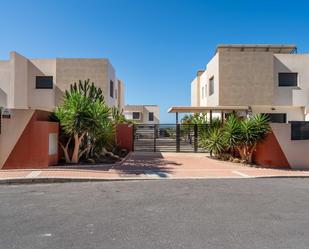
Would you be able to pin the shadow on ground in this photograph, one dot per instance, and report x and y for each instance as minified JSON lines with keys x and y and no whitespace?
{"x":149,"y":163}
{"x":136,"y":164}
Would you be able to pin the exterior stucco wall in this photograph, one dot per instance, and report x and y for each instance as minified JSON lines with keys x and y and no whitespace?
{"x":121,"y":90}
{"x":246,"y":78}
{"x":203,"y":89}
{"x":18,"y":81}
{"x":18,"y":77}
{"x":212,"y":70}
{"x":11,"y":131}
{"x":144,"y":113}
{"x":292,"y":113}
{"x":69,"y":71}
{"x":41,"y":98}
{"x":5,"y":92}
{"x":296,"y":63}
{"x":156,"y":113}
{"x":296,"y":151}
{"x":195,"y":92}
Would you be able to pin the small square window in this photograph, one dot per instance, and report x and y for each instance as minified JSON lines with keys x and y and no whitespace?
{"x":288,"y":79}
{"x":136,"y":115}
{"x":150,"y":116}
{"x":44,"y":82}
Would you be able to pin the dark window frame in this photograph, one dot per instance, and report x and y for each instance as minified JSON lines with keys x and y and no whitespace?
{"x":275,"y":117}
{"x":283,"y":82}
{"x":111,"y":89}
{"x":139,"y":115}
{"x":299,"y":130}
{"x":211,"y":86}
{"x":40,"y":85}
{"x":151,"y":114}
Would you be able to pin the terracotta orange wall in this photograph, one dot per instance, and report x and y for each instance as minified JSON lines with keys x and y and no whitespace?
{"x":31,"y":150}
{"x":269,"y":153}
{"x":124,"y":135}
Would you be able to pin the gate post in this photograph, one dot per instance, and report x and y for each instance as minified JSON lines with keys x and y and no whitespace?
{"x":177,"y":137}
{"x":155,"y":138}
{"x":195,"y":138}
{"x":133,"y":136}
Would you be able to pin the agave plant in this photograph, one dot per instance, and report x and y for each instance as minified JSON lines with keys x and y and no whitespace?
{"x":231,"y":132}
{"x":213,"y":141}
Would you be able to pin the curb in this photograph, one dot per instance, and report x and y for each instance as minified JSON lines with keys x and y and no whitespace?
{"x":16,"y":181}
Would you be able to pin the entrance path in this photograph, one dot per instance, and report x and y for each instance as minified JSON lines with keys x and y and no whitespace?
{"x":143,"y":165}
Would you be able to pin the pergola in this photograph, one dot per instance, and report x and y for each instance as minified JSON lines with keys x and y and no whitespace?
{"x":207,"y":109}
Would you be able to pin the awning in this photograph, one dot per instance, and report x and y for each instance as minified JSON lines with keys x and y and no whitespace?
{"x":203,"y":109}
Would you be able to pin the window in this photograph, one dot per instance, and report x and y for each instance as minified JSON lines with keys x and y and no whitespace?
{"x":211,"y":86}
{"x":205,"y":90}
{"x":150,"y":116}
{"x":135,"y":115}
{"x":288,"y":79}
{"x":44,"y":82}
{"x":277,"y":117}
{"x":111,"y":89}
{"x":202,"y":92}
{"x":299,"y":130}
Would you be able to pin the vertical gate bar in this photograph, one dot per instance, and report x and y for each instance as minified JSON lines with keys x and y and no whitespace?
{"x":222,"y":117}
{"x":177,"y":137}
{"x":210,"y":118}
{"x":195,"y":138}
{"x":155,"y":138}
{"x":133,"y":137}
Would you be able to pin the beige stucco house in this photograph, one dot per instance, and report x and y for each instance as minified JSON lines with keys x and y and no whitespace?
{"x":271,"y":79}
{"x":143,"y":114}
{"x":40,"y":83}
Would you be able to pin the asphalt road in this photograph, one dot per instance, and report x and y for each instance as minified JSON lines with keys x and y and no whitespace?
{"x":234,"y":213}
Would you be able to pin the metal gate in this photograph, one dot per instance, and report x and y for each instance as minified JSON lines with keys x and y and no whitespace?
{"x":167,"y":137}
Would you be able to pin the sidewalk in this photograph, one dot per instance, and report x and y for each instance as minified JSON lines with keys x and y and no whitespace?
{"x":142,"y":166}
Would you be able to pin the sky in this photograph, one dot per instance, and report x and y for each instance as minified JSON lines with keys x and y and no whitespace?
{"x":156,"y":46}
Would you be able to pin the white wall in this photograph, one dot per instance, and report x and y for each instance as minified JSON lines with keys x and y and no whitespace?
{"x":18,"y":81}
{"x":195,"y":92}
{"x":298,"y":63}
{"x":41,"y":98}
{"x":212,"y":70}
{"x":156,"y":112}
{"x":4,"y":83}
{"x":293,"y":113}
{"x":296,"y":151}
{"x":204,"y":91}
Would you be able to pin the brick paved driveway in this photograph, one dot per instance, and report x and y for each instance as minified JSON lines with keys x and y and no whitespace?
{"x":155,"y":166}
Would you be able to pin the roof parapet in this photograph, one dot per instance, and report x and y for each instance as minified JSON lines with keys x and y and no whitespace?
{"x":275,"y":48}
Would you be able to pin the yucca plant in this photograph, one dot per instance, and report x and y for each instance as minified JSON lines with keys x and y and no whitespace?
{"x":252,"y":130}
{"x":83,"y":114}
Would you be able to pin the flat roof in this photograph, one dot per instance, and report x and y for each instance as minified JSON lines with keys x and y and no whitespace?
{"x":275,"y":48}
{"x":201,"y":109}
{"x":140,"y":105}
